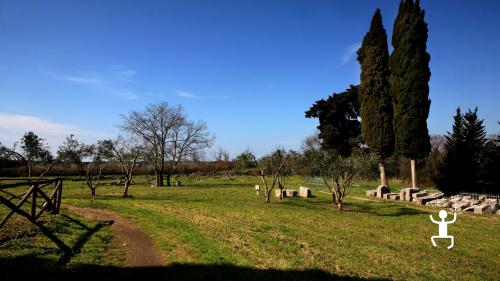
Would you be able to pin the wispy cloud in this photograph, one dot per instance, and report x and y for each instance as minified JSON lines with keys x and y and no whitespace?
{"x":188,"y":95}
{"x":13,"y":126}
{"x":83,"y":80}
{"x":113,"y":80}
{"x":349,"y":53}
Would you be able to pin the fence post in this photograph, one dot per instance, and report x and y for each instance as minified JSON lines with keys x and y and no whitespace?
{"x":33,"y":202}
{"x":59,"y":194}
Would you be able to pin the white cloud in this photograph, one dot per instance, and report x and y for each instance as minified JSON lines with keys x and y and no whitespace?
{"x":13,"y":127}
{"x":349,"y":53}
{"x":82,"y":79}
{"x":127,"y":74}
{"x":192,"y":96}
{"x":114,"y":80}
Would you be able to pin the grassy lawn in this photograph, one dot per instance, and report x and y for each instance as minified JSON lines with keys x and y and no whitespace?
{"x":24,"y":245}
{"x":216,"y":221}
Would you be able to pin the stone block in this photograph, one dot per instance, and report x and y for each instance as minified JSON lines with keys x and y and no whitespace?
{"x":472,"y":202}
{"x":391,"y":195}
{"x":454,"y":200}
{"x":490,"y":201}
{"x":394,"y":196}
{"x":291,"y":193}
{"x":494,"y":207}
{"x":419,"y":194}
{"x":428,"y":198}
{"x":406,"y":193}
{"x":304,"y":192}
{"x":371,"y":193}
{"x":482,"y":209}
{"x":442,"y":202}
{"x":277,"y":193}
{"x":461,"y":205}
{"x":381,"y":190}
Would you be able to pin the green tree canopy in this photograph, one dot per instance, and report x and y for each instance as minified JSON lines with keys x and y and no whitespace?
{"x":339,"y":127}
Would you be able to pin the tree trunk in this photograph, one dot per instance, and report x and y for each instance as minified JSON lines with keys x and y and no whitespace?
{"x":334,"y":199}
{"x":168,"y":180}
{"x":268,"y":196}
{"x":339,"y":205}
{"x":93,"y":191}
{"x":383,"y":177}
{"x":413,"y":173}
{"x":125,"y":192}
{"x":28,"y":168}
{"x":159,"y":179}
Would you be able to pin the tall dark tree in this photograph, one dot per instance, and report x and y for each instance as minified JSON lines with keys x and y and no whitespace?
{"x":339,"y":127}
{"x":489,"y":165}
{"x":374,"y":94}
{"x":409,"y":82}
{"x":468,"y":156}
{"x":453,"y":168}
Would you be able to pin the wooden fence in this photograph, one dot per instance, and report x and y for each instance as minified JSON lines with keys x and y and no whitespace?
{"x":37,"y":197}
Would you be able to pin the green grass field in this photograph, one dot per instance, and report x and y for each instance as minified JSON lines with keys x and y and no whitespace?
{"x":221,"y":222}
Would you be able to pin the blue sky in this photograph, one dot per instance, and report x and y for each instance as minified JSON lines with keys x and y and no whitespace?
{"x":248,"y":68}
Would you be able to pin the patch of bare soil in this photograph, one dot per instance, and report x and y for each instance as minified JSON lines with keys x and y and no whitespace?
{"x":140,"y":250}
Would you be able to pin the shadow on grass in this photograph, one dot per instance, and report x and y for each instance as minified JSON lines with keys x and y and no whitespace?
{"x":31,"y":268}
{"x":375,"y":208}
{"x":65,"y":258}
{"x":382,"y":209}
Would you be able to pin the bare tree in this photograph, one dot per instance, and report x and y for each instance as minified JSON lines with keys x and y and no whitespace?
{"x":221,"y":155}
{"x":32,"y":151}
{"x":127,"y":153}
{"x":187,"y":141}
{"x":437,"y":143}
{"x":96,"y":154}
{"x":168,"y":137}
{"x":154,"y":126}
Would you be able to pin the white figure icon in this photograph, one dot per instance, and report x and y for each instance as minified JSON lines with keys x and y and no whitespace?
{"x":443,"y":228}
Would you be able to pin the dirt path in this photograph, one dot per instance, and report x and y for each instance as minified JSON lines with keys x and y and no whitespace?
{"x":140,"y":250}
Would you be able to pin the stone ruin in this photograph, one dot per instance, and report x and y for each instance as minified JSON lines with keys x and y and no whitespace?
{"x":482,"y":205}
{"x":303,"y":192}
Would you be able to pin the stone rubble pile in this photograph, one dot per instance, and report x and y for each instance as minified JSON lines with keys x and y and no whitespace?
{"x":482,"y":205}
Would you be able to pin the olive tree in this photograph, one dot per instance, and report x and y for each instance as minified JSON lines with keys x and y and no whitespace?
{"x":273,"y":170}
{"x":96,"y":156}
{"x":70,"y":152}
{"x":126,"y":152}
{"x":337,"y":172}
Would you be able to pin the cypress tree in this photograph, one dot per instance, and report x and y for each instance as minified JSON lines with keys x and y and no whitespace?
{"x":410,"y":74}
{"x":374,"y":94}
